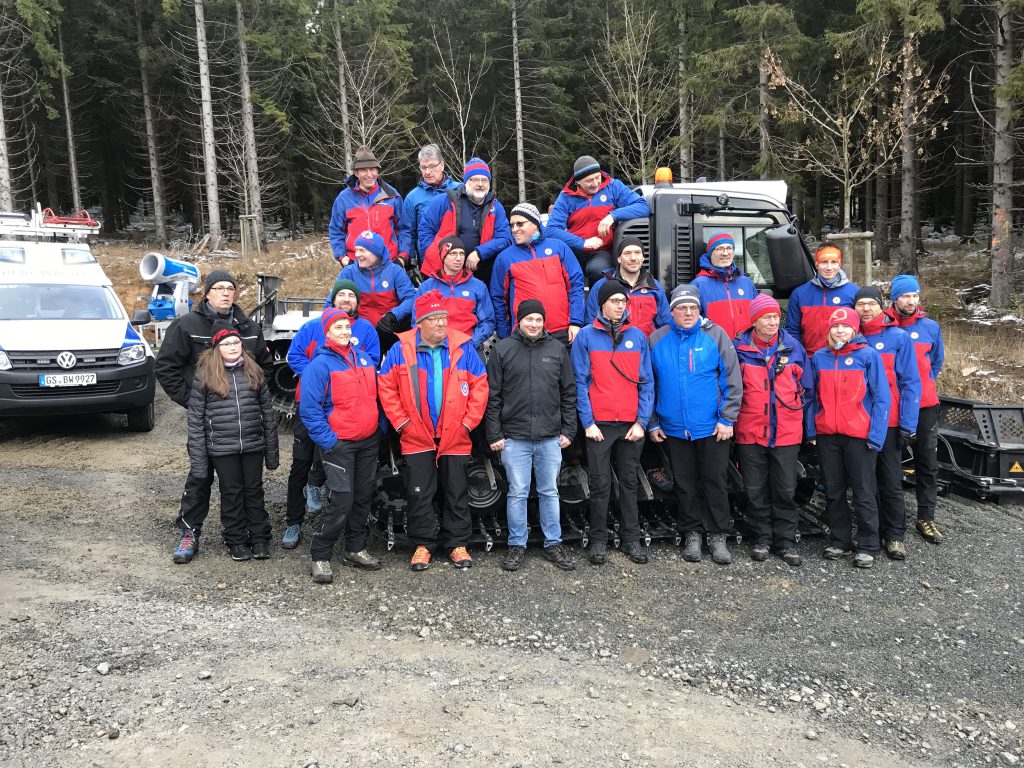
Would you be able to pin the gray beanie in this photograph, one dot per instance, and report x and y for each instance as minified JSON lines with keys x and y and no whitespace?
{"x":527,"y":211}
{"x":584,"y":166}
{"x":684,"y":294}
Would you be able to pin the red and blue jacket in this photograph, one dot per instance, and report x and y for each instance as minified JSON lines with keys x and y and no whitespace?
{"x":811,"y":305}
{"x":382,"y":289}
{"x":440,"y":220}
{"x":311,"y":336}
{"x":545,"y":270}
{"x":407,"y":377}
{"x":614,"y":382}
{"x":851,"y":394}
{"x":648,"y":306}
{"x":928,"y":349}
{"x":339,"y":399}
{"x":416,"y":202}
{"x":698,"y":380}
{"x":356,"y":211}
{"x":897,"y":351}
{"x":575,"y":214}
{"x":467,"y":301}
{"x":725,"y":296}
{"x":777,"y":384}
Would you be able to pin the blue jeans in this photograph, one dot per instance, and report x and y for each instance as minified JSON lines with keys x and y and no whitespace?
{"x":544,"y":457}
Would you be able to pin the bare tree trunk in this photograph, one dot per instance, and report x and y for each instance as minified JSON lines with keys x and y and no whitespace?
{"x":517,"y":84}
{"x":6,"y":186}
{"x":908,"y":193}
{"x":209,"y":146}
{"x":685,"y":128}
{"x":1003,"y":284}
{"x":721,"y":153}
{"x":156,"y":178}
{"x":762,"y":109}
{"x":251,"y":162}
{"x":346,"y":121}
{"x":76,"y":192}
{"x":881,"y":223}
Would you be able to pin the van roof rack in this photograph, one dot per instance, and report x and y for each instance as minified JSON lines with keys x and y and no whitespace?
{"x":44,"y":225}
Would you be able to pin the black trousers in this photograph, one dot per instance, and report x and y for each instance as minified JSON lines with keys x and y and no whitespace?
{"x":594,"y":264}
{"x":195,"y":501}
{"x":242,"y":511}
{"x":892,"y":508}
{"x":626,"y":456}
{"x":926,"y":462}
{"x":351,"y":469}
{"x":699,"y":470}
{"x":422,"y":472}
{"x":847,"y":462}
{"x":769,"y":478}
{"x":307,"y":468}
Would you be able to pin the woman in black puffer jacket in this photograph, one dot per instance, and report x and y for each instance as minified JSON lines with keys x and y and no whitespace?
{"x":231,"y":421}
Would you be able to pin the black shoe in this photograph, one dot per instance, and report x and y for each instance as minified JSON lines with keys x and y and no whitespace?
{"x":240,"y":552}
{"x":514,"y":558}
{"x":759,"y":553}
{"x":559,"y":557}
{"x":260,"y":551}
{"x":691,"y":548}
{"x":598,"y":552}
{"x":635,"y":552}
{"x":791,"y":557}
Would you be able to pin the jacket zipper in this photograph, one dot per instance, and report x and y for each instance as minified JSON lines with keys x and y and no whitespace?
{"x":238,"y":407}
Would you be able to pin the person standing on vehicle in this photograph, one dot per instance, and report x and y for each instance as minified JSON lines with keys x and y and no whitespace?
{"x":185,"y":339}
{"x":367,"y":203}
{"x":472,"y":213}
{"x":725,"y":292}
{"x":699,"y":386}
{"x":586,"y":211}
{"x":926,"y":334}
{"x":338,"y":408}
{"x":770,"y":428}
{"x":433,"y":388}
{"x":614,"y":398}
{"x":233,"y":426}
{"x":897,"y":351}
{"x":465,"y":297}
{"x":848,"y":421}
{"x":811,"y":305}
{"x":648,"y":304}
{"x":433,"y":183}
{"x":531,"y":417}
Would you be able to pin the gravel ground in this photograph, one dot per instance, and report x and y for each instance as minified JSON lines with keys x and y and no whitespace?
{"x":114,"y":656}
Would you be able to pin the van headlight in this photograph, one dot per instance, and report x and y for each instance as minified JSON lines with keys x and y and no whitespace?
{"x":131,"y":354}
{"x":5,"y":361}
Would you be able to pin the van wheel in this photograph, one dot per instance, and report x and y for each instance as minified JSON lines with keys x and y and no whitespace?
{"x":142,"y":419}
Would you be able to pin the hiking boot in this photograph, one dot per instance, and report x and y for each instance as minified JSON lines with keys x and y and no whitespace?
{"x":420,"y":559}
{"x":634,"y":550}
{"x":660,"y":480}
{"x":314,"y":498}
{"x":863,"y":560}
{"x":759,"y":553}
{"x":598,"y":552}
{"x":896,"y":550}
{"x":836,"y":553}
{"x":559,"y":555}
{"x":514,"y":558}
{"x":691,"y":547}
{"x":791,"y":557}
{"x":361,"y":559}
{"x":719,"y":551}
{"x":460,"y":558}
{"x":240,"y":552}
{"x":320,"y":570}
{"x":188,"y":547}
{"x":929,"y":531}
{"x":260,"y":551}
{"x":292,"y":534}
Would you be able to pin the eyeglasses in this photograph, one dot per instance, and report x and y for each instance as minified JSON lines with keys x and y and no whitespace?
{"x":436,"y":319}
{"x":236,"y":343}
{"x":223,"y":288}
{"x":518,"y":224}
{"x":428,"y":168}
{"x":686,"y":309}
{"x":616,"y":301}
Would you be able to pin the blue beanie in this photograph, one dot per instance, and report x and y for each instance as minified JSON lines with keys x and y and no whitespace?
{"x":903,"y":284}
{"x":374,"y":243}
{"x":475,"y":167}
{"x":720,"y":238}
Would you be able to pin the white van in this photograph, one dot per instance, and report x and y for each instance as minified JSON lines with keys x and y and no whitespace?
{"x":67,"y":345}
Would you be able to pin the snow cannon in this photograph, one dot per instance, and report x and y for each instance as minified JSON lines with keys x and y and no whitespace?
{"x":172,"y":281}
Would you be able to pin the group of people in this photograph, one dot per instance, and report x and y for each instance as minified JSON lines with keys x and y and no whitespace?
{"x":697,"y":372}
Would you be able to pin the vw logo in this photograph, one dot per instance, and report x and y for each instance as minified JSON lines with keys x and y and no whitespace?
{"x":66,"y":360}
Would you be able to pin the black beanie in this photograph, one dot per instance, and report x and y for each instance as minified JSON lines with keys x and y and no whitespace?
{"x":450,"y":243}
{"x":627,"y":241}
{"x":608,"y":289}
{"x":218,"y":276}
{"x":869,"y":292}
{"x":530,"y":307}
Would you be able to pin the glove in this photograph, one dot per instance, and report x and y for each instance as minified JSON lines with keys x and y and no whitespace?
{"x":273,"y":462}
{"x":388,"y":323}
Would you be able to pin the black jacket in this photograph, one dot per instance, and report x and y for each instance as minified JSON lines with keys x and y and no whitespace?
{"x":532,"y":389}
{"x":242,"y":422}
{"x":189,"y":335}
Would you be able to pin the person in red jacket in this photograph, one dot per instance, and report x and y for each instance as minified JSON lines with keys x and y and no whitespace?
{"x":433,"y":388}
{"x":769,"y":430}
{"x":811,"y":304}
{"x":465,"y":297}
{"x":725,"y":292}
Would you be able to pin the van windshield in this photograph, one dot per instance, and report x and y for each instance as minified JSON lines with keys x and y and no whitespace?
{"x":57,"y":302}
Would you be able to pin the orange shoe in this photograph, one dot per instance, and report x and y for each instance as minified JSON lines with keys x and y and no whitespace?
{"x":460,"y":558}
{"x":420,"y":559}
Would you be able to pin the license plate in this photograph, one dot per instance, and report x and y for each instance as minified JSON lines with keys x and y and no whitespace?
{"x":67,"y":379}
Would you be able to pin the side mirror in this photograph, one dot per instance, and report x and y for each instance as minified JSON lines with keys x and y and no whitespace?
{"x":141,"y":317}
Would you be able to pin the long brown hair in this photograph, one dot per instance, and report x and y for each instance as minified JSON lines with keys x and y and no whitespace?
{"x":212,"y":375}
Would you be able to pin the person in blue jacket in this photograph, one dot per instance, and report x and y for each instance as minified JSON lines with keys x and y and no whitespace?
{"x":433,"y":183}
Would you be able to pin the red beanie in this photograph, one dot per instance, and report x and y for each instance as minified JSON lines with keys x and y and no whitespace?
{"x":762,"y":305}
{"x":844,"y":316}
{"x":430,"y":303}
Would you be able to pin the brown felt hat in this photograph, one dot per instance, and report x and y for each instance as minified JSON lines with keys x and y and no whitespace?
{"x":365,"y":159}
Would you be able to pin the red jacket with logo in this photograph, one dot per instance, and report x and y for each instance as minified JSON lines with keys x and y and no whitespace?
{"x":725,"y":296}
{"x":851,"y":393}
{"x":928,"y":348}
{"x":897,"y":351}
{"x":777,"y":383}
{"x":339,"y":396}
{"x":440,"y":220}
{"x":614,"y":381}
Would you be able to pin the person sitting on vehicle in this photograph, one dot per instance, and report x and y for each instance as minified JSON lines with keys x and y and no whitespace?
{"x":537,"y":267}
{"x":337,"y":408}
{"x":848,"y":420}
{"x":366,"y":203}
{"x":725,"y":292}
{"x":465,"y":297}
{"x":648,"y":305}
{"x":586,"y":211}
{"x":777,"y":383}
{"x":472,"y":213}
{"x":811,"y":304}
{"x":433,"y":183}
